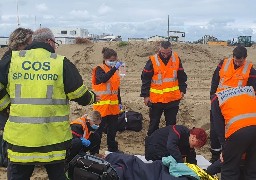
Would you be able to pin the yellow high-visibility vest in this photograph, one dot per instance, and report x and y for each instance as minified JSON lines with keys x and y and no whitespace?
{"x":39,"y":111}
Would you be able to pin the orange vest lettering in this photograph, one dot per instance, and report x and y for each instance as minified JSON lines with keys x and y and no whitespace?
{"x":108,"y":92}
{"x":164,"y":85}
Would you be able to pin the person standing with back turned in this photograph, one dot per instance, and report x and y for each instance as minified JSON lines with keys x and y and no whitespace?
{"x":18,"y":40}
{"x":40,"y":84}
{"x":231,"y":72}
{"x":163,"y":86}
{"x":234,"y":118}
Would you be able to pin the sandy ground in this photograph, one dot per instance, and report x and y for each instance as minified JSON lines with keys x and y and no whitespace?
{"x":199,"y":62}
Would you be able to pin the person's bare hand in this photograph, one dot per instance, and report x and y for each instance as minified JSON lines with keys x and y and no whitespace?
{"x":182,"y":95}
{"x":146,"y":100}
{"x":221,"y":158}
{"x":97,"y":98}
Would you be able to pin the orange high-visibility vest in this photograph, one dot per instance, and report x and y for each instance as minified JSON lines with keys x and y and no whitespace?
{"x":164,"y":84}
{"x":231,"y":77}
{"x":237,"y":107}
{"x":82,"y":121}
{"x":108,"y":92}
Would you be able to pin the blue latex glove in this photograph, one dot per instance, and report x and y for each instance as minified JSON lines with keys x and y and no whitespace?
{"x":120,"y":107}
{"x":85,"y":142}
{"x":118,"y":64}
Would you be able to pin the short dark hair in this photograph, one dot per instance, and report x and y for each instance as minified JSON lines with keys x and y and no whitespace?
{"x":240,"y":52}
{"x":108,"y":53}
{"x":165,"y":44}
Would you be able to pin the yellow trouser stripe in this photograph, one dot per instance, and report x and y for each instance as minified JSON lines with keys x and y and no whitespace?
{"x":36,"y":156}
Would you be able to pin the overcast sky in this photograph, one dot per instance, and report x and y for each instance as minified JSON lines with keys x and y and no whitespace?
{"x":224,"y":19}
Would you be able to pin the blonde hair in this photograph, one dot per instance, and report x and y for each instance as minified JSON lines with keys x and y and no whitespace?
{"x":19,"y":37}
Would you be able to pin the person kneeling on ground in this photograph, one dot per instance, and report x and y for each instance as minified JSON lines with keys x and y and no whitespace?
{"x":177,"y":141}
{"x":84,"y":136}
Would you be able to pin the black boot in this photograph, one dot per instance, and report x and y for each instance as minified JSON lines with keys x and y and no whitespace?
{"x":215,"y":156}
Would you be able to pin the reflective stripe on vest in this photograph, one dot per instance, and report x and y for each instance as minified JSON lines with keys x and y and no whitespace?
{"x":238,"y":118}
{"x":164,"y":87}
{"x":39,"y":111}
{"x":77,"y":93}
{"x":236,"y":105}
{"x":109,"y":102}
{"x":159,"y":76}
{"x":37,"y":101}
{"x":164,"y":90}
{"x":38,"y":120}
{"x":36,"y":156}
{"x":240,"y":82}
{"x":107,"y":92}
{"x":4,"y":102}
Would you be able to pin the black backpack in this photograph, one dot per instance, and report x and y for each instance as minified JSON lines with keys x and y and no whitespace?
{"x":90,"y":167}
{"x":130,"y":120}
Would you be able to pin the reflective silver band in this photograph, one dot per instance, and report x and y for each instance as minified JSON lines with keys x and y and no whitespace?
{"x":39,"y":101}
{"x":38,"y":120}
{"x":238,"y":118}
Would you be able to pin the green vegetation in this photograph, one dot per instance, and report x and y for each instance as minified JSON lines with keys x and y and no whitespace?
{"x":122,"y":44}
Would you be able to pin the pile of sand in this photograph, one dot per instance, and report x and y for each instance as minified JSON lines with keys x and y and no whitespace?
{"x":199,"y":62}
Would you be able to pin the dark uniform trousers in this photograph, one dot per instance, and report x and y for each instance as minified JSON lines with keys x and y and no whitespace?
{"x":215,"y":144}
{"x":109,"y":126}
{"x":55,"y":171}
{"x":243,"y":140}
{"x":155,"y":113}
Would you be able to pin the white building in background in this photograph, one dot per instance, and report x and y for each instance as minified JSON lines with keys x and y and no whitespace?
{"x":4,"y":41}
{"x":68,"y":35}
